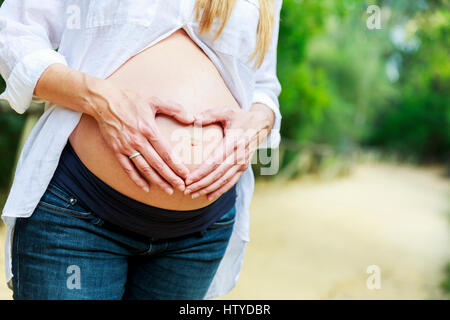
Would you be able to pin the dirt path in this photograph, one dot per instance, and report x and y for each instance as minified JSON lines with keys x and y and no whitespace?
{"x":315,"y":240}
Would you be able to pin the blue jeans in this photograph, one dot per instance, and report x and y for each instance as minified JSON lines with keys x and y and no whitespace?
{"x":63,"y":251}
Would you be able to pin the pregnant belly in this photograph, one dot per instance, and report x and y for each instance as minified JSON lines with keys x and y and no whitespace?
{"x":175,"y":69}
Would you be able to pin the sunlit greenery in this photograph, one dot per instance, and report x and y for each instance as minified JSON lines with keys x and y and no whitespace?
{"x":346,"y":85}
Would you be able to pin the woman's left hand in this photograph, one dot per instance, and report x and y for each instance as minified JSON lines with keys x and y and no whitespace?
{"x":243,"y":131}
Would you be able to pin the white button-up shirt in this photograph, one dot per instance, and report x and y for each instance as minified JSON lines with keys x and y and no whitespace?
{"x":96,"y":37}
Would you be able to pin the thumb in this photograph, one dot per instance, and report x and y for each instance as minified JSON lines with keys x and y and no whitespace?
{"x":175,"y":110}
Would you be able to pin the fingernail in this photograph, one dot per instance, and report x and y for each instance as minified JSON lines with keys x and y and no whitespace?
{"x":187,"y":191}
{"x":181,"y":187}
{"x":146,"y":189}
{"x":195,"y":196}
{"x":185,"y":172}
{"x":169,"y":191}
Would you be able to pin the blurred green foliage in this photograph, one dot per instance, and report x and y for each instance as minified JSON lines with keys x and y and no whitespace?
{"x":418,"y":121}
{"x":10,"y":128}
{"x":347,"y":86}
{"x":446,"y":282}
{"x":11,"y":125}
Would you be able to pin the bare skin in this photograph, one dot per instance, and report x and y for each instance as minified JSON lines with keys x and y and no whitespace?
{"x":174,"y":77}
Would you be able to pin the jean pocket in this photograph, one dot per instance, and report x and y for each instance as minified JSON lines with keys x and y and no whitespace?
{"x":56,"y":200}
{"x":226,"y":220}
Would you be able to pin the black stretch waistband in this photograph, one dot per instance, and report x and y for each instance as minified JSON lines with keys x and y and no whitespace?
{"x":112,"y":206}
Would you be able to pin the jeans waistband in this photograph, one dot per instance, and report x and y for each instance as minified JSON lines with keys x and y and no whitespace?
{"x":109,"y":204}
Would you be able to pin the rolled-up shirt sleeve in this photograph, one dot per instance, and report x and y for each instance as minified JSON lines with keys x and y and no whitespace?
{"x":267,"y":85}
{"x":30,"y":31}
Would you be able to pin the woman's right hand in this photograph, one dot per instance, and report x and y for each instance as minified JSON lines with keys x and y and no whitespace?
{"x":127,"y":123}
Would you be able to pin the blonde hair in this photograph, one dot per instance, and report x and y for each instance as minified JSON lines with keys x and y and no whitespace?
{"x":222,"y":9}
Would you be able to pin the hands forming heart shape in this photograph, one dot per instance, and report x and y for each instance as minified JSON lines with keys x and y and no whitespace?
{"x":128,"y":125}
{"x":243,"y":131}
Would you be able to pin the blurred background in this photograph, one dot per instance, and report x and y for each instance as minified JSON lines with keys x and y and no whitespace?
{"x":360,"y":206}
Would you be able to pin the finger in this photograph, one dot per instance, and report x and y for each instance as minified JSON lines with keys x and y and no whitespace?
{"x":238,"y":157}
{"x":163,"y":149}
{"x":154,"y":160}
{"x":239,"y":160}
{"x":225,"y":187}
{"x":217,"y":157}
{"x":173,"y":109}
{"x":211,"y":164}
{"x":209,"y":179}
{"x":131,"y":171}
{"x":151,"y":174}
{"x":213,"y":116}
{"x":235,"y":150}
{"x":218,"y":183}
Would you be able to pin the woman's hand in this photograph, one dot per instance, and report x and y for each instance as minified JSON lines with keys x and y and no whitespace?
{"x":127,"y":123}
{"x":243,"y":130}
